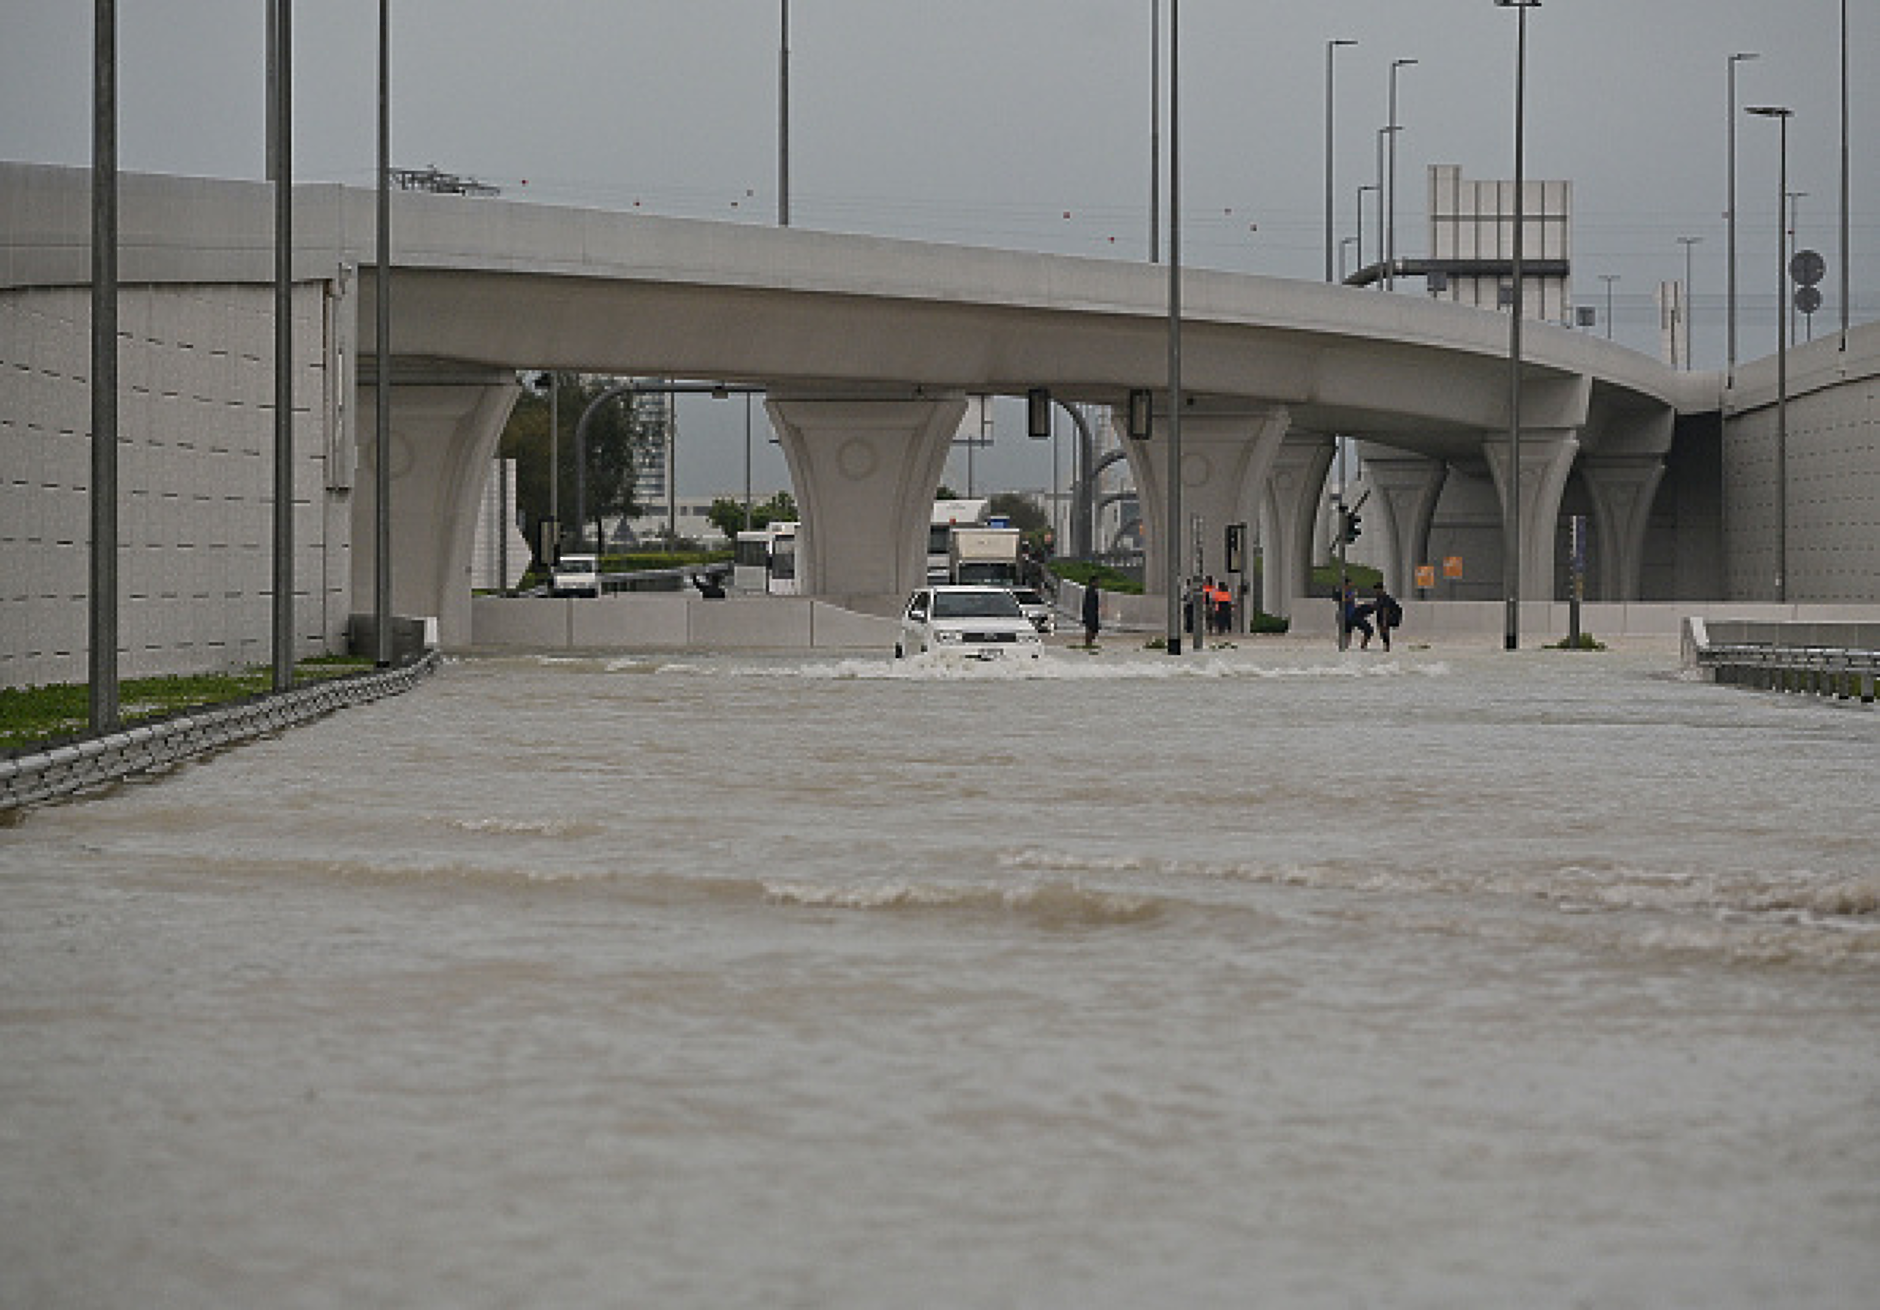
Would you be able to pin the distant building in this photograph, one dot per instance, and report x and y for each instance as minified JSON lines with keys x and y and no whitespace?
{"x":1471,"y":260}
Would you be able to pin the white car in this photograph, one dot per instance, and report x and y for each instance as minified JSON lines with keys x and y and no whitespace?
{"x":576,"y":575}
{"x":982,"y":623}
{"x":1036,"y":608}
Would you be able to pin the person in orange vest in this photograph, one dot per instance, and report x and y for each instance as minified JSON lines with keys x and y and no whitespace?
{"x":1220,"y":606}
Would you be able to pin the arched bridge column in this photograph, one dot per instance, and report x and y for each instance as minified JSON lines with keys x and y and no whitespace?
{"x":1289,"y":509}
{"x":1406,"y":488}
{"x":1546,"y":461}
{"x":865,"y":470}
{"x":1622,"y":489}
{"x":1226,"y":455}
{"x":445,"y":425}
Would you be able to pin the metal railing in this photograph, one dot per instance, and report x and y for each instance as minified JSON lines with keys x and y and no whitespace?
{"x":1807,"y":670}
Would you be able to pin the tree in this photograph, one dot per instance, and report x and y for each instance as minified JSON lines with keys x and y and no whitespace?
{"x":727,"y":514}
{"x":617,"y":436}
{"x":1023,"y":513}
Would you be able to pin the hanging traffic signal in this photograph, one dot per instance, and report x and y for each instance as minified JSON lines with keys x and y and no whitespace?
{"x":1352,"y":525}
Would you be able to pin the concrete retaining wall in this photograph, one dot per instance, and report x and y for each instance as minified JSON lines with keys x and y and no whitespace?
{"x":673,"y":622}
{"x":44,"y":775}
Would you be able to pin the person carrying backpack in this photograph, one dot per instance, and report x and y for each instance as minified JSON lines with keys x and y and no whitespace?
{"x":1387,"y":612}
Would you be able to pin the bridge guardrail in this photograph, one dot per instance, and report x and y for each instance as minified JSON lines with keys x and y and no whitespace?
{"x":1834,"y":671}
{"x":81,"y":765}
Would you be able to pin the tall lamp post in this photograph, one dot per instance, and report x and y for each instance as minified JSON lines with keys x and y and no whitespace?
{"x":783,"y":118}
{"x":1782,"y":114}
{"x":1331,"y":48}
{"x":1511,"y":566}
{"x":1387,"y":131}
{"x":1690,"y":296}
{"x":1390,"y":196}
{"x":382,"y":382}
{"x":1173,"y":533}
{"x":1362,"y":188}
{"x":102,"y":619}
{"x":1155,"y":130}
{"x":1730,"y":214}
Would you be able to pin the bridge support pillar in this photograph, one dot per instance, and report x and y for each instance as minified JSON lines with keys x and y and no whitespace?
{"x":1546,"y":460}
{"x":865,"y":470}
{"x":1289,"y":509}
{"x":1622,"y":489}
{"x":1407,"y":487}
{"x":446,"y":423}
{"x":1226,"y":454}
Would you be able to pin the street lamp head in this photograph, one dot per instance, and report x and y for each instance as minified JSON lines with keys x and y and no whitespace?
{"x":1770,"y":111}
{"x":1401,"y":63}
{"x":1337,"y":41}
{"x":1747,"y":54}
{"x":1517,"y":4}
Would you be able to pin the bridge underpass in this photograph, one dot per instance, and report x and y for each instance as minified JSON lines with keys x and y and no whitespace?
{"x":868,"y":348}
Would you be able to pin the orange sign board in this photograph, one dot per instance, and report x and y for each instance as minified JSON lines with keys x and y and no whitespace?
{"x":1426,"y":575}
{"x":1452,"y":566}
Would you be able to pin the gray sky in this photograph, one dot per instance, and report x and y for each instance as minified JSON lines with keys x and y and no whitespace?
{"x":1023,"y":124}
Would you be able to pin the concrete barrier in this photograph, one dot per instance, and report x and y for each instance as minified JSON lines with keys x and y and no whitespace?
{"x":674,"y":623}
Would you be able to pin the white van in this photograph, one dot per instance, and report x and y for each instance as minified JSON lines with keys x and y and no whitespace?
{"x":575,"y":575}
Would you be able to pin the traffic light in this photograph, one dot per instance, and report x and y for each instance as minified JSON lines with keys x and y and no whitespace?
{"x":1353,"y":522}
{"x":1038,"y":413}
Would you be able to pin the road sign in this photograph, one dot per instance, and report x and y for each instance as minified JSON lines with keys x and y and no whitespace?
{"x":1808,"y":299}
{"x":1452,"y":566}
{"x":1426,"y":576}
{"x":1808,"y":267}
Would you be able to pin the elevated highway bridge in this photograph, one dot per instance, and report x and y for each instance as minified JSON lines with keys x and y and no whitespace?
{"x":868,"y":349}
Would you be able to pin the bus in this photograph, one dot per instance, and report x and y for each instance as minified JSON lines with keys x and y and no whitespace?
{"x":947,"y":515}
{"x":765,"y":561}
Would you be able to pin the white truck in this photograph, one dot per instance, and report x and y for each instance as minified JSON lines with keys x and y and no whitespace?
{"x":985,"y":556}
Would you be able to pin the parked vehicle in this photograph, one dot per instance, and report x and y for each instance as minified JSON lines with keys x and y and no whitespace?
{"x":575,"y":575}
{"x":980,"y":623}
{"x":766,"y":560}
{"x":1036,"y":608}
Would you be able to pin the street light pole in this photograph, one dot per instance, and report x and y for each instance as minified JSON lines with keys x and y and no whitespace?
{"x":1782,"y":114}
{"x":783,"y":119}
{"x":1730,"y":214}
{"x":102,"y":656}
{"x":283,"y":609}
{"x":1609,"y":279}
{"x":1155,"y":130}
{"x":1844,"y":252}
{"x":1331,"y":48}
{"x":1390,"y":196}
{"x":1382,"y":252}
{"x":1511,"y":566}
{"x":1690,"y":296}
{"x":1173,"y":534}
{"x":382,"y":382}
{"x":1362,"y":188}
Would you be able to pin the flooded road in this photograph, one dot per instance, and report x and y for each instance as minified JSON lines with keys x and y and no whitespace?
{"x":1271,"y":976}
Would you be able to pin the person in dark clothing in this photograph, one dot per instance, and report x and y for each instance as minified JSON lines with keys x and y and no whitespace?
{"x":708,"y":586}
{"x":1388,"y":612}
{"x":1092,"y":608}
{"x":1357,"y":617}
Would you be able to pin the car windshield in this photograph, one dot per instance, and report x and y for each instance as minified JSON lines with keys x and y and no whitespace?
{"x":975,"y":605}
{"x":573,"y":565}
